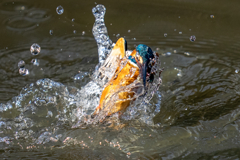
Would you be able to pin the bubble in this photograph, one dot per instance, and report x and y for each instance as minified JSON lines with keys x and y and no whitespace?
{"x":83,"y":32}
{"x":180,"y":32}
{"x":21,"y":64}
{"x":35,"y":49}
{"x":192,"y":38}
{"x":51,"y":32}
{"x":35,"y":62}
{"x":23,"y":71}
{"x":212,"y":16}
{"x":165,"y":34}
{"x":99,"y":11}
{"x":59,"y":10}
{"x":74,"y":31}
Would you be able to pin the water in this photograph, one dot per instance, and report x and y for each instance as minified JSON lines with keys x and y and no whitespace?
{"x":59,"y":10}
{"x":35,"y":49}
{"x":192,"y":38}
{"x":21,"y":64}
{"x":197,"y":113}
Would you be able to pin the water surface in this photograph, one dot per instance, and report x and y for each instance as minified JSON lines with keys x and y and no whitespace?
{"x":197,"y":103}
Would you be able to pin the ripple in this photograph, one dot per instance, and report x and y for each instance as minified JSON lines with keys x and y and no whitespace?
{"x":11,"y":7}
{"x":19,"y":24}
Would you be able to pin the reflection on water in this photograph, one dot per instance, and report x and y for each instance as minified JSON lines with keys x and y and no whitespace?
{"x":195,"y":110}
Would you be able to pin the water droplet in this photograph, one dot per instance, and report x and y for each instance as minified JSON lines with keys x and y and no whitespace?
{"x":110,"y":24}
{"x":35,"y":49}
{"x":212,"y":16}
{"x":73,"y":19}
{"x":174,"y":51}
{"x":23,"y":71}
{"x":129,"y":31}
{"x":35,"y":62}
{"x":134,"y":39}
{"x":74,"y":31}
{"x":51,"y":32}
{"x":192,"y":38}
{"x":117,"y":35}
{"x":49,"y":114}
{"x":186,"y":53}
{"x":168,"y":54}
{"x":83,"y":32}
{"x":175,"y":29}
{"x":99,"y":11}
{"x":21,"y":64}
{"x":179,"y":17}
{"x":236,"y":71}
{"x":157,"y":49}
{"x":59,"y":10}
{"x":180,"y":32}
{"x":165,"y":34}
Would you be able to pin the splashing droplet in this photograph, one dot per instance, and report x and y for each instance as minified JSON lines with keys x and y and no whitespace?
{"x":83,"y":32}
{"x":165,"y":34}
{"x":192,"y":38}
{"x":35,"y":49}
{"x":51,"y":32}
{"x":99,"y":11}
{"x":129,"y":31}
{"x":73,"y":19}
{"x":186,"y":53}
{"x":35,"y":62}
{"x":23,"y":71}
{"x":59,"y":10}
{"x":180,"y":32}
{"x":21,"y":64}
{"x":236,"y":71}
{"x":74,"y":31}
{"x":118,"y":35}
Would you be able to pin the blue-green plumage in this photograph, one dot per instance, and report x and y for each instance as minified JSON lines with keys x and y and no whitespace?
{"x":147,"y":54}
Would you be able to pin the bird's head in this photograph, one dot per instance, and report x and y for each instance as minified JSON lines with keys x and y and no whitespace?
{"x":144,"y":56}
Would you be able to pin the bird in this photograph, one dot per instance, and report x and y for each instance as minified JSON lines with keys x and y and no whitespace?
{"x":131,"y":73}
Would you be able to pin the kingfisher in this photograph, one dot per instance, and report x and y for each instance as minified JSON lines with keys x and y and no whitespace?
{"x":131,"y":74}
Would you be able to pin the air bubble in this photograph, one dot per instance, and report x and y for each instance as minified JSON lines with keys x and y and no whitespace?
{"x":35,"y":49}
{"x":23,"y":71}
{"x":21,"y":64}
{"x":165,"y":34}
{"x":35,"y":62}
{"x":192,"y":38}
{"x":59,"y":10}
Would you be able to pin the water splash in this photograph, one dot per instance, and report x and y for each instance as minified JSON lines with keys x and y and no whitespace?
{"x":100,"y":33}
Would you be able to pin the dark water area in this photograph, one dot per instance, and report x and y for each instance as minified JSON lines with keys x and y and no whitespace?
{"x":198,"y":101}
